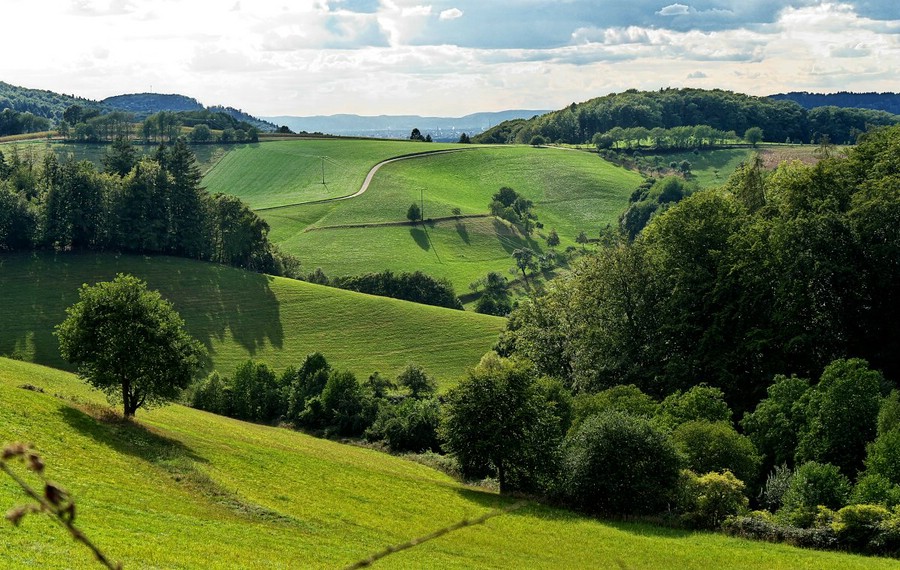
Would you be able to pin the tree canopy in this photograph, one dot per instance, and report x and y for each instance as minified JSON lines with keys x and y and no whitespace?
{"x":129,"y":342}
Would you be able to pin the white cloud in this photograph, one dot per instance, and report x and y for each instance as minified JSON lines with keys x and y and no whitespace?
{"x":273,"y":57}
{"x":674,"y":10}
{"x":451,"y":14}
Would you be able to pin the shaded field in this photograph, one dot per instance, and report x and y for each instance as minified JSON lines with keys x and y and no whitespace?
{"x":180,"y":488}
{"x":207,"y":154}
{"x":572,"y":191}
{"x":240,"y":315}
{"x":279,"y":173}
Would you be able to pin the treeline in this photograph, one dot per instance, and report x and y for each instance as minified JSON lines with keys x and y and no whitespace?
{"x":89,"y":125}
{"x":417,"y":287}
{"x":148,"y":205}
{"x":720,"y":110}
{"x":15,"y":123}
{"x":403,"y":412}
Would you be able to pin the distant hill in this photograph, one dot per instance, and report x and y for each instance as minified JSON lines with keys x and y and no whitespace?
{"x":39,"y":102}
{"x":50,"y":105}
{"x":149,"y":103}
{"x":142,"y":105}
{"x":400,"y":126}
{"x":724,"y":111}
{"x":889,"y":102}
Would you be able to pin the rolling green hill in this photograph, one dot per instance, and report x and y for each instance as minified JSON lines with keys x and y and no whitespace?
{"x":240,"y":315}
{"x":180,"y":488}
{"x":572,"y":191}
{"x":279,"y":173}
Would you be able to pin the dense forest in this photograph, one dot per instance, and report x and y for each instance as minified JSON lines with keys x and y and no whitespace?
{"x":774,"y":273}
{"x":147,"y":205}
{"x":718,"y":110}
{"x":889,"y":102}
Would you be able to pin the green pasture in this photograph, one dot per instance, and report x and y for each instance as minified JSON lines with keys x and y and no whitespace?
{"x":708,"y":167}
{"x":279,"y":173}
{"x":240,"y":315}
{"x":572,"y":191}
{"x":184,"y":489}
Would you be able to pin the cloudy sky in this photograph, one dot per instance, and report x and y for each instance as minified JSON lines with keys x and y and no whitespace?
{"x":444,"y":57}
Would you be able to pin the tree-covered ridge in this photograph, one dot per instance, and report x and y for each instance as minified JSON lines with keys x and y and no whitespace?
{"x":25,"y":110}
{"x":39,"y":102}
{"x":720,"y":110}
{"x":889,"y":102}
{"x":777,"y":273}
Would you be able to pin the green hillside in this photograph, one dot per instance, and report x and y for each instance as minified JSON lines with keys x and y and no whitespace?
{"x":279,"y":173}
{"x":572,"y":191}
{"x":181,"y":489}
{"x":240,"y":315}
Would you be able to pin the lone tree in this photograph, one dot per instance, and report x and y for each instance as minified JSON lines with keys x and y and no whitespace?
{"x":129,"y":342}
{"x":753,"y":135}
{"x":414,"y":213}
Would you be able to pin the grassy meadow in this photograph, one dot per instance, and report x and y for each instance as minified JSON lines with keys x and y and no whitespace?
{"x":572,"y":191}
{"x":280,"y":173}
{"x":240,"y":315}
{"x":180,"y":489}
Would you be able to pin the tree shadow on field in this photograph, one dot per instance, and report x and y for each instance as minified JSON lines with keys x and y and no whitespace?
{"x":127,"y":437}
{"x":421,"y":238}
{"x":218,"y":303}
{"x":463,"y":232}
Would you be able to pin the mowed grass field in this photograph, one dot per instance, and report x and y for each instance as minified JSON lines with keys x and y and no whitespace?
{"x":573,"y":191}
{"x":184,"y":489}
{"x":284,"y":172}
{"x":240,"y":315}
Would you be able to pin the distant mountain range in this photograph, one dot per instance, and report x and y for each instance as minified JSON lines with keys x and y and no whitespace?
{"x":400,"y":126}
{"x":889,"y":102}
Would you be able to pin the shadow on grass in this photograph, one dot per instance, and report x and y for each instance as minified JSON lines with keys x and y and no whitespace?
{"x":126,"y":437}
{"x":639,"y":526}
{"x":421,"y":238}
{"x":215,"y":301}
{"x":463,"y":232}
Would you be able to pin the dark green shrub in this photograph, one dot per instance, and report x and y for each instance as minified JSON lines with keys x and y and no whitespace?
{"x":813,"y":485}
{"x":417,"y":381}
{"x":212,"y":395}
{"x":701,"y":402}
{"x":410,"y":425}
{"x":875,"y":489}
{"x":883,"y":456}
{"x":774,"y":425}
{"x":305,"y":383}
{"x":627,"y":399}
{"x":347,"y":409}
{"x":842,"y":415}
{"x":761,"y":527}
{"x":716,"y":446}
{"x":617,"y":464}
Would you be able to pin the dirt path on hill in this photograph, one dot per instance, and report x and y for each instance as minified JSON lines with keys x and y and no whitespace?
{"x":369,"y":177}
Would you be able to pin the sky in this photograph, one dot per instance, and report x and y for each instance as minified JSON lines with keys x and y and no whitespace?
{"x":444,"y":57}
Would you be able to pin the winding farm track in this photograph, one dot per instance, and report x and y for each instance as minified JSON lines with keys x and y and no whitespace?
{"x":369,"y":177}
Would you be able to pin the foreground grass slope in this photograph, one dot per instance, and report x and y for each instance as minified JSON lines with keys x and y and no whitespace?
{"x":181,"y":488}
{"x":573,"y":191}
{"x":240,"y":315}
